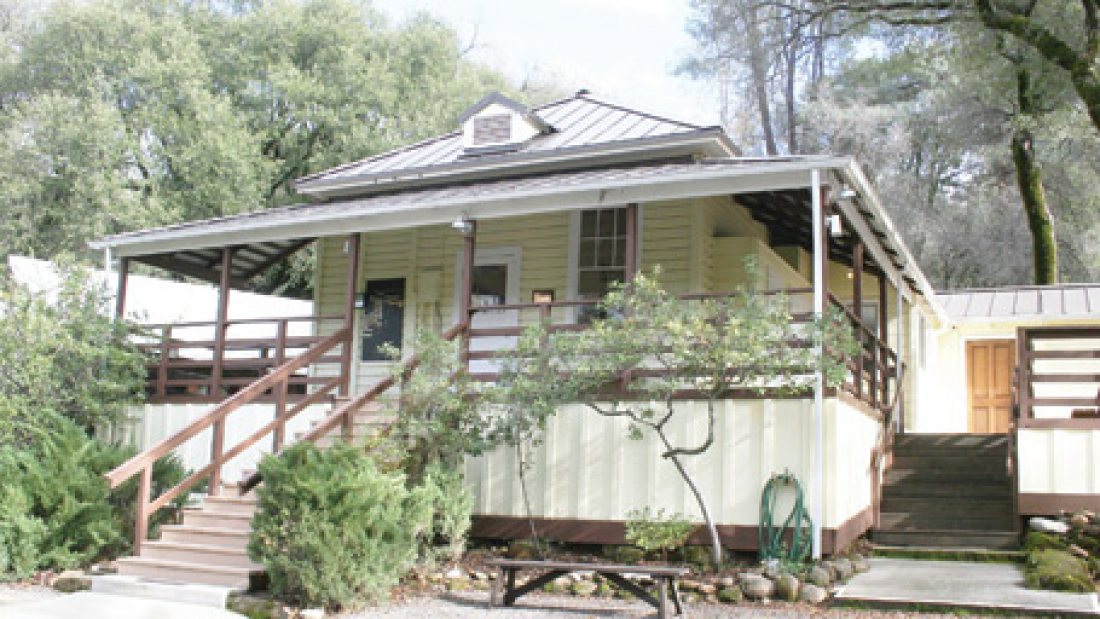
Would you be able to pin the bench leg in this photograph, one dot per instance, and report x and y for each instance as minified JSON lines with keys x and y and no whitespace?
{"x":496,"y":596}
{"x":662,"y":597}
{"x":509,"y":587}
{"x":675,"y":597}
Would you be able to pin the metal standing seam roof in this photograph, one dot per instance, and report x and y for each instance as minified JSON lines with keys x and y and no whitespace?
{"x":581,"y":120}
{"x":1057,"y":301}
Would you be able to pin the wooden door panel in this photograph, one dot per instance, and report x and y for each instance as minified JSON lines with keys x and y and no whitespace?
{"x":989,"y":365}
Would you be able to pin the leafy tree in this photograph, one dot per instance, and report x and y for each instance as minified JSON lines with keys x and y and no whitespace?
{"x":64,"y":356}
{"x":707,"y":350}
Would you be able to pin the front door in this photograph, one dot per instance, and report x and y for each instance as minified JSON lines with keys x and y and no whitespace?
{"x":989,"y":370}
{"x":495,"y":282}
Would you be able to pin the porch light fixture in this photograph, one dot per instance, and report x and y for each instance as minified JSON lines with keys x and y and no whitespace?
{"x":462,"y":224}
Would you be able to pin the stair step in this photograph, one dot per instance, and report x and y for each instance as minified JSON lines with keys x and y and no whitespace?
{"x":963,"y":507}
{"x":995,"y":463}
{"x":948,"y":539}
{"x":924,"y":475}
{"x":181,"y":571}
{"x":184,"y":592}
{"x":916,"y":490}
{"x":968,"y":441}
{"x":217,"y":519}
{"x":212,"y":536}
{"x":198,"y":553}
{"x":935,"y":521}
{"x":245,"y":505}
{"x":973,"y":555}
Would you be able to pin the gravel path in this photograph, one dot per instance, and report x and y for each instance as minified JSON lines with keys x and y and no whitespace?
{"x":470,"y":605}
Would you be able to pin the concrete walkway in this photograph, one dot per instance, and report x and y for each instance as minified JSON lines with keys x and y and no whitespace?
{"x":89,"y":605}
{"x":993,"y":586}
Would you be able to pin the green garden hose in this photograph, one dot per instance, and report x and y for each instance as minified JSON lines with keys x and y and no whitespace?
{"x":772,"y":545}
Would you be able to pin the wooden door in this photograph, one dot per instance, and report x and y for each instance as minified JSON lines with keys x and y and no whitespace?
{"x":989,"y":366}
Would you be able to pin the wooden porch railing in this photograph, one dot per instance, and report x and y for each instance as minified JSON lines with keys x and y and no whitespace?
{"x":205,"y":362}
{"x":1058,"y":370}
{"x":275,"y":382}
{"x":872,"y":371}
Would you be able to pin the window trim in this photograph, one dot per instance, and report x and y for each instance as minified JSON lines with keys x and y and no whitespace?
{"x":574,"y":274}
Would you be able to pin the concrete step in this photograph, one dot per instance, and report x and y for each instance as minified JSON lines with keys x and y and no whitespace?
{"x":211,"y":596}
{"x":198,"y":553}
{"x":230,"y":504}
{"x":969,"y":441}
{"x":948,"y":539}
{"x":935,"y":521}
{"x":978,"y":555}
{"x":209,"y":536}
{"x":219,"y":520}
{"x":181,"y":571}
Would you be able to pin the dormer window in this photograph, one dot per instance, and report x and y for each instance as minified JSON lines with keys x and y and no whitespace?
{"x":496,"y":125}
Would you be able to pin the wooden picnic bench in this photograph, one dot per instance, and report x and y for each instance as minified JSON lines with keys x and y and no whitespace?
{"x":664,"y":579}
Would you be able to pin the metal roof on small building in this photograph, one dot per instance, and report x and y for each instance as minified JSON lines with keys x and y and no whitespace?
{"x":579,"y":121}
{"x":1046,"y":302}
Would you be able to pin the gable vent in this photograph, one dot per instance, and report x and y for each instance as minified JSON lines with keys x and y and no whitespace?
{"x":493,"y":129}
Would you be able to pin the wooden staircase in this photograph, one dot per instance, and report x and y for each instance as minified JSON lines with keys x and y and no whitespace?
{"x":948,"y":491}
{"x":210,"y":547}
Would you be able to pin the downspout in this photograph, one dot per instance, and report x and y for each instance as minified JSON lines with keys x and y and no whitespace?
{"x":818,"y":473}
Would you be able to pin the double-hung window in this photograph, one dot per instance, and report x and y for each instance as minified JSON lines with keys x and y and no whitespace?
{"x":601,"y":255}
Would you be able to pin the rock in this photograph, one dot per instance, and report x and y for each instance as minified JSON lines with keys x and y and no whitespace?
{"x":772,"y":569}
{"x":71,"y":581}
{"x":1073,"y":549}
{"x":1078,"y":521}
{"x":725,"y":581}
{"x":454,"y":574}
{"x":811,"y":594}
{"x":707,"y":589}
{"x":757,"y":588}
{"x":730,"y":595}
{"x":786,"y":588}
{"x":585,"y":588}
{"x":819,"y":576}
{"x":861,"y":565}
{"x":843,"y":569}
{"x":1046,"y":525}
{"x":457,"y":584}
{"x":312,"y":613}
{"x":479,"y":576}
{"x":687,"y":584}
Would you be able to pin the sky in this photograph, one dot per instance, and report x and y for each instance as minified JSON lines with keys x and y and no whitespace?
{"x":625,"y":51}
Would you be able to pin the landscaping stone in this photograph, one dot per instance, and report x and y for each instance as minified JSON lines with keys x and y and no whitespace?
{"x":811,"y":594}
{"x":843,"y":568}
{"x":71,"y":581}
{"x":786,"y":588}
{"x":1046,"y":525}
{"x":819,"y":576}
{"x":725,"y":581}
{"x":730,"y":595}
{"x":585,"y":588}
{"x":707,"y":589}
{"x":757,"y":588}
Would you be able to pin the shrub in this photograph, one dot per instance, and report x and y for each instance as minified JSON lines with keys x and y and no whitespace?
{"x":58,"y":512}
{"x":1035,"y":540}
{"x":1057,"y":570}
{"x":657,"y":531}
{"x":452,"y":505}
{"x":334,"y":531}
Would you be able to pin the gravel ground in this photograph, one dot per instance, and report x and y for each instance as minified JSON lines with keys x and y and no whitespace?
{"x":18,"y":593}
{"x":468,"y":605}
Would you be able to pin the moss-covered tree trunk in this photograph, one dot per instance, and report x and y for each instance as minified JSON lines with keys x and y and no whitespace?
{"x":1029,"y":178}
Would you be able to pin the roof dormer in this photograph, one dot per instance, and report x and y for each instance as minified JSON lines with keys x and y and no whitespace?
{"x":497,"y":124}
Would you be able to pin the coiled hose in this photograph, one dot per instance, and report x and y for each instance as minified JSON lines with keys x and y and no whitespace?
{"x":772,"y":545}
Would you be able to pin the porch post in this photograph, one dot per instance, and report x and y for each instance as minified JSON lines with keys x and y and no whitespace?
{"x":631,"y":263}
{"x":900,"y":421}
{"x":120,"y":290}
{"x":469,"y":237}
{"x":354,"y":241}
{"x":821,"y":291}
{"x":857,"y":309}
{"x":220,"y":328}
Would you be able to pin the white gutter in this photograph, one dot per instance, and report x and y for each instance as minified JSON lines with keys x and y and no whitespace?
{"x":818,"y":472}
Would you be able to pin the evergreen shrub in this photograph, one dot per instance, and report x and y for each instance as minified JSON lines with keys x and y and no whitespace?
{"x":333,"y":530}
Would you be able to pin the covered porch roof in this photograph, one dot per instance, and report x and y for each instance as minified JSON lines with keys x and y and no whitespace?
{"x":776,"y":190}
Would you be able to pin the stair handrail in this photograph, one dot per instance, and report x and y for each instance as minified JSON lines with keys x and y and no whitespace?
{"x":344,"y":415}
{"x":143,"y":463}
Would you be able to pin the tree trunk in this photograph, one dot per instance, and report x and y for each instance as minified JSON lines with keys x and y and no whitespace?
{"x":758,"y":66}
{"x":1029,"y":177}
{"x":712,"y":530}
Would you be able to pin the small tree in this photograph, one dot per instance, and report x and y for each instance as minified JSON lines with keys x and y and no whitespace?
{"x":704,"y":350}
